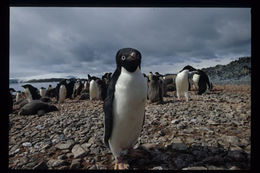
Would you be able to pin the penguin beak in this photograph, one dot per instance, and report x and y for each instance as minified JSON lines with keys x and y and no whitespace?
{"x":132,"y":56}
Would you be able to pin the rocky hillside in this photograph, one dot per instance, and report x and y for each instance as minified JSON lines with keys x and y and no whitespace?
{"x":236,"y":72}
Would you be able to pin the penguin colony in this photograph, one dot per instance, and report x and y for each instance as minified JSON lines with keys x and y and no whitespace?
{"x":124,"y":94}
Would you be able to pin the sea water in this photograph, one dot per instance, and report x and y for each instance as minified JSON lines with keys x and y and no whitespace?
{"x":38,"y":85}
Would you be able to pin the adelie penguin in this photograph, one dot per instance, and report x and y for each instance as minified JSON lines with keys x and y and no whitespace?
{"x":19,"y":96}
{"x":97,"y":88}
{"x":42,"y":92}
{"x":200,"y":79}
{"x":124,"y":105}
{"x":182,"y":83}
{"x":31,"y":93}
{"x":155,"y":90}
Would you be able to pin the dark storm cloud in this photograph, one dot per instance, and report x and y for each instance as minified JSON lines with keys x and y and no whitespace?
{"x":85,"y":40}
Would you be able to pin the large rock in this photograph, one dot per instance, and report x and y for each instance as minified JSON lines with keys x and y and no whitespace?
{"x":65,"y":145}
{"x":78,"y":151}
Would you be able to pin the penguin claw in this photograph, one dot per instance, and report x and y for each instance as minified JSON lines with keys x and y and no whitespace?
{"x":120,"y":165}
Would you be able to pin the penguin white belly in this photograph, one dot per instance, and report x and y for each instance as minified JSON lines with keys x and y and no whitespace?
{"x":28,"y":94}
{"x":86,"y":85}
{"x":62,"y":93}
{"x":93,"y":90}
{"x":42,"y":92}
{"x":128,"y":110}
{"x":195,"y":80}
{"x":182,"y":84}
{"x":18,"y":97}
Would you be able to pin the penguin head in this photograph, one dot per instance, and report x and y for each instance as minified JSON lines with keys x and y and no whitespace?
{"x":128,"y":58}
{"x":188,"y":67}
{"x":11,"y":90}
{"x":26,"y":86}
{"x":30,"y":87}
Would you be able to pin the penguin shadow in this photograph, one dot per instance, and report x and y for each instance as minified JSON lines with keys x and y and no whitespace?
{"x":176,"y":157}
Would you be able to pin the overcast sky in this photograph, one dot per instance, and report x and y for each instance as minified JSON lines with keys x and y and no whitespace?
{"x":57,"y":42}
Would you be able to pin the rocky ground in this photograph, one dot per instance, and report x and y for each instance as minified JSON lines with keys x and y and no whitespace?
{"x":209,"y":132}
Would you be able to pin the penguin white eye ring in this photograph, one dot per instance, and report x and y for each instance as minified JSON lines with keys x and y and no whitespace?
{"x":123,"y":58}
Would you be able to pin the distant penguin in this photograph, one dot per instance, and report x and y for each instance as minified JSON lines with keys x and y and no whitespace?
{"x":150,"y":75}
{"x":182,"y":84}
{"x":106,"y":78}
{"x":49,"y":87}
{"x":51,"y":92}
{"x":11,"y":90}
{"x":163,"y":85}
{"x":19,"y":96}
{"x":77,"y":88}
{"x":62,"y":93}
{"x":69,"y":87}
{"x":203,"y":82}
{"x":57,"y":89}
{"x":124,"y":105}
{"x":155,"y":89}
{"x":102,"y":87}
{"x":86,"y":86}
{"x":42,"y":92}
{"x":200,"y":80}
{"x":31,"y":93}
{"x":94,"y":90}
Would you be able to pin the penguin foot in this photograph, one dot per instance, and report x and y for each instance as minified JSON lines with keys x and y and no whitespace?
{"x":120,"y":164}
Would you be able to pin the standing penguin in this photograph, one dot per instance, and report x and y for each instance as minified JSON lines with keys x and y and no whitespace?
{"x":42,"y":91}
{"x":62,"y":93}
{"x":94,"y":90}
{"x":155,"y":89}
{"x":18,"y":96}
{"x":124,"y":105}
{"x":200,"y":79}
{"x":182,"y":83}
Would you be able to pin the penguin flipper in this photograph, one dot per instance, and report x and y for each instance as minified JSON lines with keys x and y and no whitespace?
{"x":108,"y":107}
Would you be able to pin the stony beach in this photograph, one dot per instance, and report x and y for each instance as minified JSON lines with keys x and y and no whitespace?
{"x":209,"y":132}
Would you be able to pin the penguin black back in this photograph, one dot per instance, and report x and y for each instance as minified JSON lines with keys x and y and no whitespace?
{"x":203,"y":82}
{"x":34,"y":91}
{"x":188,"y":67}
